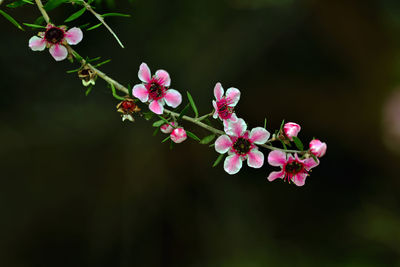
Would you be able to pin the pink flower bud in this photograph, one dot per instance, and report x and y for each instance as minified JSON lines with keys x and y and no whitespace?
{"x":317,"y":148}
{"x":291,"y":129}
{"x":178,"y":135}
{"x":168,"y":127}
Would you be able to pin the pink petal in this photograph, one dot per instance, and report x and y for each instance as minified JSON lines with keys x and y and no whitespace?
{"x":173,"y":98}
{"x":275,"y":175}
{"x":215,"y":115}
{"x":156,"y":107}
{"x":59,"y":52}
{"x":236,"y":128}
{"x":223,"y":144}
{"x":259,"y":135}
{"x":255,"y":159}
{"x":232,"y":164}
{"x":310,"y":163}
{"x":144,"y":73}
{"x":234,"y":95}
{"x":218,"y":91}
{"x":299,"y":179}
{"x":233,"y":118}
{"x":140,"y":92}
{"x":37,"y":43}
{"x":276,"y":158}
{"x":74,"y":36}
{"x":163,"y":77}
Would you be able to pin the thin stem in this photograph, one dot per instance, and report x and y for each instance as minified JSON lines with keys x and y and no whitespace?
{"x":101,"y":19}
{"x":41,"y":9}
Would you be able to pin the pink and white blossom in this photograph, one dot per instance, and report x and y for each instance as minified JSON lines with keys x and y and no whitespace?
{"x":240,"y":145}
{"x":293,"y":169}
{"x":168,"y":127}
{"x":178,"y":135}
{"x":155,"y":90}
{"x":224,"y":104}
{"x":291,"y":130}
{"x":56,"y":39}
{"x":317,"y":148}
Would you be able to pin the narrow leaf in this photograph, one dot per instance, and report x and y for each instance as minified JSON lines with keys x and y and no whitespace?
{"x":196,"y":113}
{"x":94,"y":27}
{"x":75,"y":70}
{"x":34,"y":26}
{"x":265,"y":123}
{"x":156,"y":131}
{"x":52,"y":4}
{"x":206,"y":140}
{"x":166,"y":139}
{"x":283,"y":122}
{"x":158,"y":123}
{"x":76,"y":15}
{"x":315,"y":158}
{"x":102,"y":63}
{"x":115,"y":15}
{"x":298,"y":143}
{"x":39,"y":21}
{"x":218,"y":160}
{"x":19,"y":3}
{"x":283,"y":144}
{"x":89,"y":90}
{"x":193,"y":136}
{"x":164,"y":119}
{"x":11,"y":19}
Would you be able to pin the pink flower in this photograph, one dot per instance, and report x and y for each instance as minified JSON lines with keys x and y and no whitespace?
{"x":240,"y":145}
{"x":317,"y":148}
{"x":155,"y":90}
{"x":55,"y":38}
{"x":168,"y":127}
{"x":178,"y":135}
{"x":291,"y":129}
{"x":293,"y":168}
{"x":224,"y":105}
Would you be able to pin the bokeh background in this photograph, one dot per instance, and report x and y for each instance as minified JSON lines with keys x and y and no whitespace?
{"x":80,"y":188}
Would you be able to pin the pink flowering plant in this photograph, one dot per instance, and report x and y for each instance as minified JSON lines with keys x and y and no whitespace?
{"x":233,"y":139}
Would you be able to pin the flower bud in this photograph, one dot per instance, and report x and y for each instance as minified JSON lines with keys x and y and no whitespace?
{"x":317,"y":148}
{"x":168,"y":127}
{"x":291,"y":130}
{"x":178,"y":135}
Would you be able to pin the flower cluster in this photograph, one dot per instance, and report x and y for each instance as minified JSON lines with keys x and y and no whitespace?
{"x":177,"y":134}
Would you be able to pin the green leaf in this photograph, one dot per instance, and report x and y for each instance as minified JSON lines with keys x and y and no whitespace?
{"x":89,"y":90}
{"x":114,"y":93}
{"x":19,"y":3}
{"x":298,"y":143}
{"x":39,"y":21}
{"x":115,"y":15}
{"x":94,"y":27}
{"x":11,"y":19}
{"x":156,"y":131}
{"x":75,"y":70}
{"x":171,"y":145}
{"x":218,"y":160}
{"x":193,"y":136}
{"x":196,"y":113}
{"x":206,"y":140}
{"x":166,"y":139}
{"x":77,"y":56}
{"x":102,"y":63}
{"x":93,"y":59}
{"x":315,"y":158}
{"x":158,"y":123}
{"x":183,"y":112}
{"x":34,"y":26}
{"x":52,"y":4}
{"x":148,"y":115}
{"x":265,"y":123}
{"x":84,"y":26}
{"x":76,"y":15}
{"x":283,"y":122}
{"x":164,"y":119}
{"x":283,"y":144}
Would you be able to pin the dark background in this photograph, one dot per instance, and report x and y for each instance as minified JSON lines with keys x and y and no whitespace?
{"x":80,"y":188}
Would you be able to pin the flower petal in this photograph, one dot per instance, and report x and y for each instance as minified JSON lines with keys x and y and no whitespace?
{"x":163,"y":77}
{"x":232,"y":164}
{"x":259,"y":135}
{"x":276,"y":158}
{"x":144,"y":73}
{"x":140,"y":91}
{"x":173,"y":98}
{"x":275,"y":175}
{"x":59,"y":52}
{"x":74,"y":36}
{"x":299,"y":179}
{"x":218,"y":91}
{"x":156,"y":107}
{"x":255,"y":159}
{"x":223,"y":144}
{"x":37,"y":43}
{"x":234,"y":95}
{"x":215,"y":115}
{"x":310,"y":163}
{"x":236,"y":128}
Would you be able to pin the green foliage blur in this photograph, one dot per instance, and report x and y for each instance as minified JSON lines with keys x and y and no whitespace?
{"x":79,"y":187}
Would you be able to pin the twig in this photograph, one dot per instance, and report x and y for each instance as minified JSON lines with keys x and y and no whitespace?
{"x":41,"y":9}
{"x":101,"y":19}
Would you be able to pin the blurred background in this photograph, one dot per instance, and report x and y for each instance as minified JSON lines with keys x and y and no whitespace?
{"x":80,"y":188}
